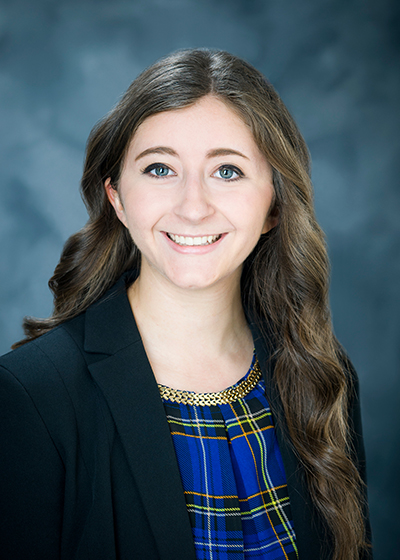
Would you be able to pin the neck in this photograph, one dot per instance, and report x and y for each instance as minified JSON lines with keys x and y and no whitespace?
{"x":189,"y":335}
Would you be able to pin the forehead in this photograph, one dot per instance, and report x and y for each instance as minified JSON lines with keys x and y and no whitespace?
{"x":207,"y":123}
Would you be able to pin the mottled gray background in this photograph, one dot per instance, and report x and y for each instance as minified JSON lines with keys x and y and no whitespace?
{"x":63,"y":64}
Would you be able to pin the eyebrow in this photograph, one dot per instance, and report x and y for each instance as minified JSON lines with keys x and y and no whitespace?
{"x":224,"y":152}
{"x":210,"y":154}
{"x":157,"y":150}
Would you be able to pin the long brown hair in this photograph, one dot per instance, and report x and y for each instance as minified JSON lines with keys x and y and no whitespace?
{"x":284,"y":281}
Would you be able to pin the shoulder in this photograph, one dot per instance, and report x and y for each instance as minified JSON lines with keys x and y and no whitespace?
{"x":46,"y":388}
{"x":45,"y":354}
{"x":100,"y":329}
{"x":353,"y":384}
{"x":44,"y":380}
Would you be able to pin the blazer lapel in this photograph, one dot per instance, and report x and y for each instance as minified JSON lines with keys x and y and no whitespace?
{"x":310,"y":533}
{"x":125,"y":377}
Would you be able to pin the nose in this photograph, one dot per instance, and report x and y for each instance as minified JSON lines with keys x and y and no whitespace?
{"x":194,"y":203}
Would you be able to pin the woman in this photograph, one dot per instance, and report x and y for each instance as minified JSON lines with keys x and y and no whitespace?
{"x":130,"y":426}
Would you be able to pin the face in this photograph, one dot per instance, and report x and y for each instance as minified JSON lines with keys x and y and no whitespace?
{"x":195,"y":194}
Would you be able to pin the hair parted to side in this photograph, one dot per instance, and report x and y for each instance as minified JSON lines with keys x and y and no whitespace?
{"x":284,"y":281}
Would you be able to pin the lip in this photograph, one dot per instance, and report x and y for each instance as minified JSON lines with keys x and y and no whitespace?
{"x":194,"y":249}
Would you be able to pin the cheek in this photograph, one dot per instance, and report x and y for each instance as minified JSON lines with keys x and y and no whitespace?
{"x":142,"y":211}
{"x":253,"y":211}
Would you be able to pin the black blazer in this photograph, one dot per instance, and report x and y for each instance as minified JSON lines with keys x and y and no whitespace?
{"x":87,"y":466}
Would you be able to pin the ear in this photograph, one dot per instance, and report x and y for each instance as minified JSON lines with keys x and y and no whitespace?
{"x":115,"y":201}
{"x":272,"y":219}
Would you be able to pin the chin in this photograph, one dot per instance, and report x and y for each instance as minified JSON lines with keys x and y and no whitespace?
{"x":191,"y":280}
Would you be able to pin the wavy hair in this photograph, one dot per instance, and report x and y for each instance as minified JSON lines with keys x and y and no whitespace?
{"x":284,"y":280}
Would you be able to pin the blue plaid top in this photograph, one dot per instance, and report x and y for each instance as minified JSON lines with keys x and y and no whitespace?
{"x":233,"y":476}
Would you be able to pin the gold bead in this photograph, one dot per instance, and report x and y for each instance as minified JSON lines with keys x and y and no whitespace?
{"x":226,"y":396}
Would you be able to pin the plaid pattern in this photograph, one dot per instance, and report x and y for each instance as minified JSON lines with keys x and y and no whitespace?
{"x":233,"y":478}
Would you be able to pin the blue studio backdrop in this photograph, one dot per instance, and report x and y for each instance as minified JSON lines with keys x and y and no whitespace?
{"x":64,"y":64}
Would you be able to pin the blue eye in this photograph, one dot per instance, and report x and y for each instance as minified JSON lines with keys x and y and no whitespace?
{"x":157,"y":170}
{"x":229,"y":173}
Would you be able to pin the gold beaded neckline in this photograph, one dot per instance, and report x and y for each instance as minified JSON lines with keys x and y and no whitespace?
{"x":229,"y":395}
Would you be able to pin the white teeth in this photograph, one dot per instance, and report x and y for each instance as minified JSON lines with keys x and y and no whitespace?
{"x":189,"y":241}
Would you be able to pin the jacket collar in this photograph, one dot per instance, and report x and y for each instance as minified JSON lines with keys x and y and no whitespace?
{"x":109,"y":323}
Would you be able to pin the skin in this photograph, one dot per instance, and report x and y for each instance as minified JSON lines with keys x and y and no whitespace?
{"x":192,"y":176}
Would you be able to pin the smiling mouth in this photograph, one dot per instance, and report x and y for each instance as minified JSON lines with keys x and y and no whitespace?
{"x":185,"y":241}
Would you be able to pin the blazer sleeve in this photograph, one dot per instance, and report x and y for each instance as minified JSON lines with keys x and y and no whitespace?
{"x":31,"y":478}
{"x":358,"y":451}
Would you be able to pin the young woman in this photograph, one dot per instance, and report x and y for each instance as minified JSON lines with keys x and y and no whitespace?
{"x":187,"y":399}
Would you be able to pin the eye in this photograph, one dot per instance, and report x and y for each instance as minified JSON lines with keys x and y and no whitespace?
{"x":158,"y":170}
{"x":228,"y":172}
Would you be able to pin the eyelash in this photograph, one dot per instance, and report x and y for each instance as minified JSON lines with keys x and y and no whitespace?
{"x":152,"y":167}
{"x":148,"y":171}
{"x":233,"y":168}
